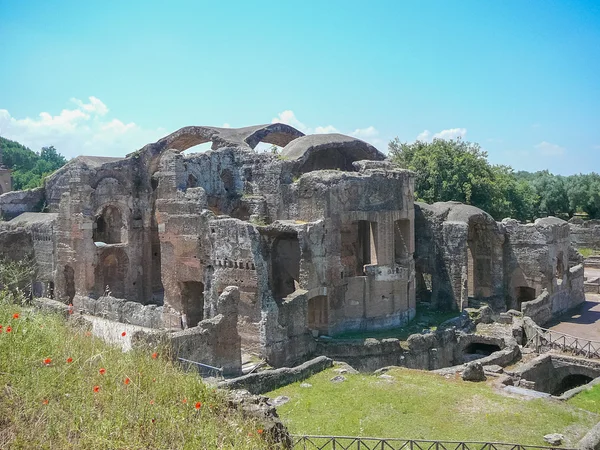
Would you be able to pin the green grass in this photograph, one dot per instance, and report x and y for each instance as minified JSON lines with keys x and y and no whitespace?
{"x":54,"y":405}
{"x":431,"y":319}
{"x":588,"y":399}
{"x":587,"y":252}
{"x":424,"y":405}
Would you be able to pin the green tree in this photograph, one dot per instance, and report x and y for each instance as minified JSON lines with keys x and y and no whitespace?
{"x":29,"y":168}
{"x":459,"y":170}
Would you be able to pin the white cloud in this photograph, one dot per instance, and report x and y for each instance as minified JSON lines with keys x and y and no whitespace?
{"x":424,"y":136}
{"x":365,"y":133}
{"x":95,"y":105}
{"x":326,"y":129}
{"x":549,"y":149}
{"x":288,"y":117}
{"x":451,"y":133}
{"x":226,"y":125}
{"x":83,"y":130}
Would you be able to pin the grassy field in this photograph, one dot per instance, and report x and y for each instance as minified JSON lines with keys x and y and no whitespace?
{"x":587,"y":252}
{"x":589,"y":399}
{"x":61,"y":388}
{"x":422,"y":405}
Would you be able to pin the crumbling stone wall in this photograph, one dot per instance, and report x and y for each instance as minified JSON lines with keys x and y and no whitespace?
{"x":460,"y":249}
{"x":214,"y":341}
{"x":585,"y":233}
{"x":18,"y":202}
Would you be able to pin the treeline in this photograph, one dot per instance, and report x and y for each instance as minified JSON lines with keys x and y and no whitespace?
{"x":28,"y":167}
{"x":459,"y":170}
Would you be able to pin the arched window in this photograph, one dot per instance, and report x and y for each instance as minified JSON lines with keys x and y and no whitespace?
{"x":109,"y":227}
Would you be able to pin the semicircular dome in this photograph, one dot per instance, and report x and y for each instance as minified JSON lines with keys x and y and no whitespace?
{"x":329,"y":151}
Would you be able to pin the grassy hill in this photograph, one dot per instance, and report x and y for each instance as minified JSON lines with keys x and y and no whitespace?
{"x":61,"y":388}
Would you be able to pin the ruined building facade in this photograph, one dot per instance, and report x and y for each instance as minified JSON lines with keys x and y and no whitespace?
{"x":318,"y":239}
{"x":5,"y":177}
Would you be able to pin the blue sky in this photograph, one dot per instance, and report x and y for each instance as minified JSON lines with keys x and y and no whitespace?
{"x":521,"y":78}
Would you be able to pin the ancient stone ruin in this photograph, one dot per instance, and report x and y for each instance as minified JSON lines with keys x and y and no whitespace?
{"x":5,"y":177}
{"x":321,"y":238}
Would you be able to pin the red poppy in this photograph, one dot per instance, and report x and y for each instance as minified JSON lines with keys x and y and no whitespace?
{"x":45,"y":401}
{"x":127,"y":381}
{"x":154,"y":355}
{"x":102,"y":371}
{"x":124,"y":334}
{"x":69,"y":360}
{"x":96,"y":388}
{"x":88,"y":333}
{"x":15,"y":315}
{"x":47,"y":361}
{"x":153,"y":420}
{"x":198,"y":405}
{"x":8,"y":329}
{"x":259,"y":431}
{"x":70,"y":308}
{"x":184,"y":401}
{"x":152,"y":402}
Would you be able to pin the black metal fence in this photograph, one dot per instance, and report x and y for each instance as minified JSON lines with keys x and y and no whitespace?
{"x":203,"y":369}
{"x":545,"y":340}
{"x":370,"y":443}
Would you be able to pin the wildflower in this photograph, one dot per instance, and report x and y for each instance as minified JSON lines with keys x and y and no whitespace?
{"x":88,"y":333}
{"x":70,"y":308}
{"x":124,"y":333}
{"x":69,"y":360}
{"x":184,"y":401}
{"x":102,"y":371}
{"x":249,"y":434}
{"x":45,"y":401}
{"x":96,"y":388}
{"x":8,"y":329}
{"x":154,"y":355}
{"x":153,"y":420}
{"x":47,"y":361}
{"x":152,"y":402}
{"x":154,"y":380}
{"x":15,"y":315}
{"x":259,"y":431}
{"x":127,"y":381}
{"x":198,"y":405}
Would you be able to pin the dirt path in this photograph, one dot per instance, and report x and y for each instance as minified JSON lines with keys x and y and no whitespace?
{"x":584,"y":322}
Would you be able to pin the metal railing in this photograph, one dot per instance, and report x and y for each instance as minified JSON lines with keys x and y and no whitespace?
{"x":371,"y":443}
{"x":203,"y":369}
{"x":545,"y":340}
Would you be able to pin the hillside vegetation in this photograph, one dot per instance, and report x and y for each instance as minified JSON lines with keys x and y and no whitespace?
{"x":28,"y":167}
{"x":61,"y":388}
{"x":459,"y":170}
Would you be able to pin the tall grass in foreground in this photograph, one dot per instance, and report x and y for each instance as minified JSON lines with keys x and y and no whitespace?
{"x":62,"y":388}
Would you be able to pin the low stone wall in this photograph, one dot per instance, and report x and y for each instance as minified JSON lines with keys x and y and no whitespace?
{"x":550,"y":306}
{"x":431,"y":351}
{"x":540,"y":309}
{"x":119,"y":310}
{"x":261,"y":382}
{"x":546,"y":372}
{"x":214,"y":341}
{"x":17,"y":202}
{"x":585,"y":233}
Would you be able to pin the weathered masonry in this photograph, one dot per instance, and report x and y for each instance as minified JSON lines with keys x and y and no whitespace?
{"x":318,"y":238}
{"x":5,"y":177}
